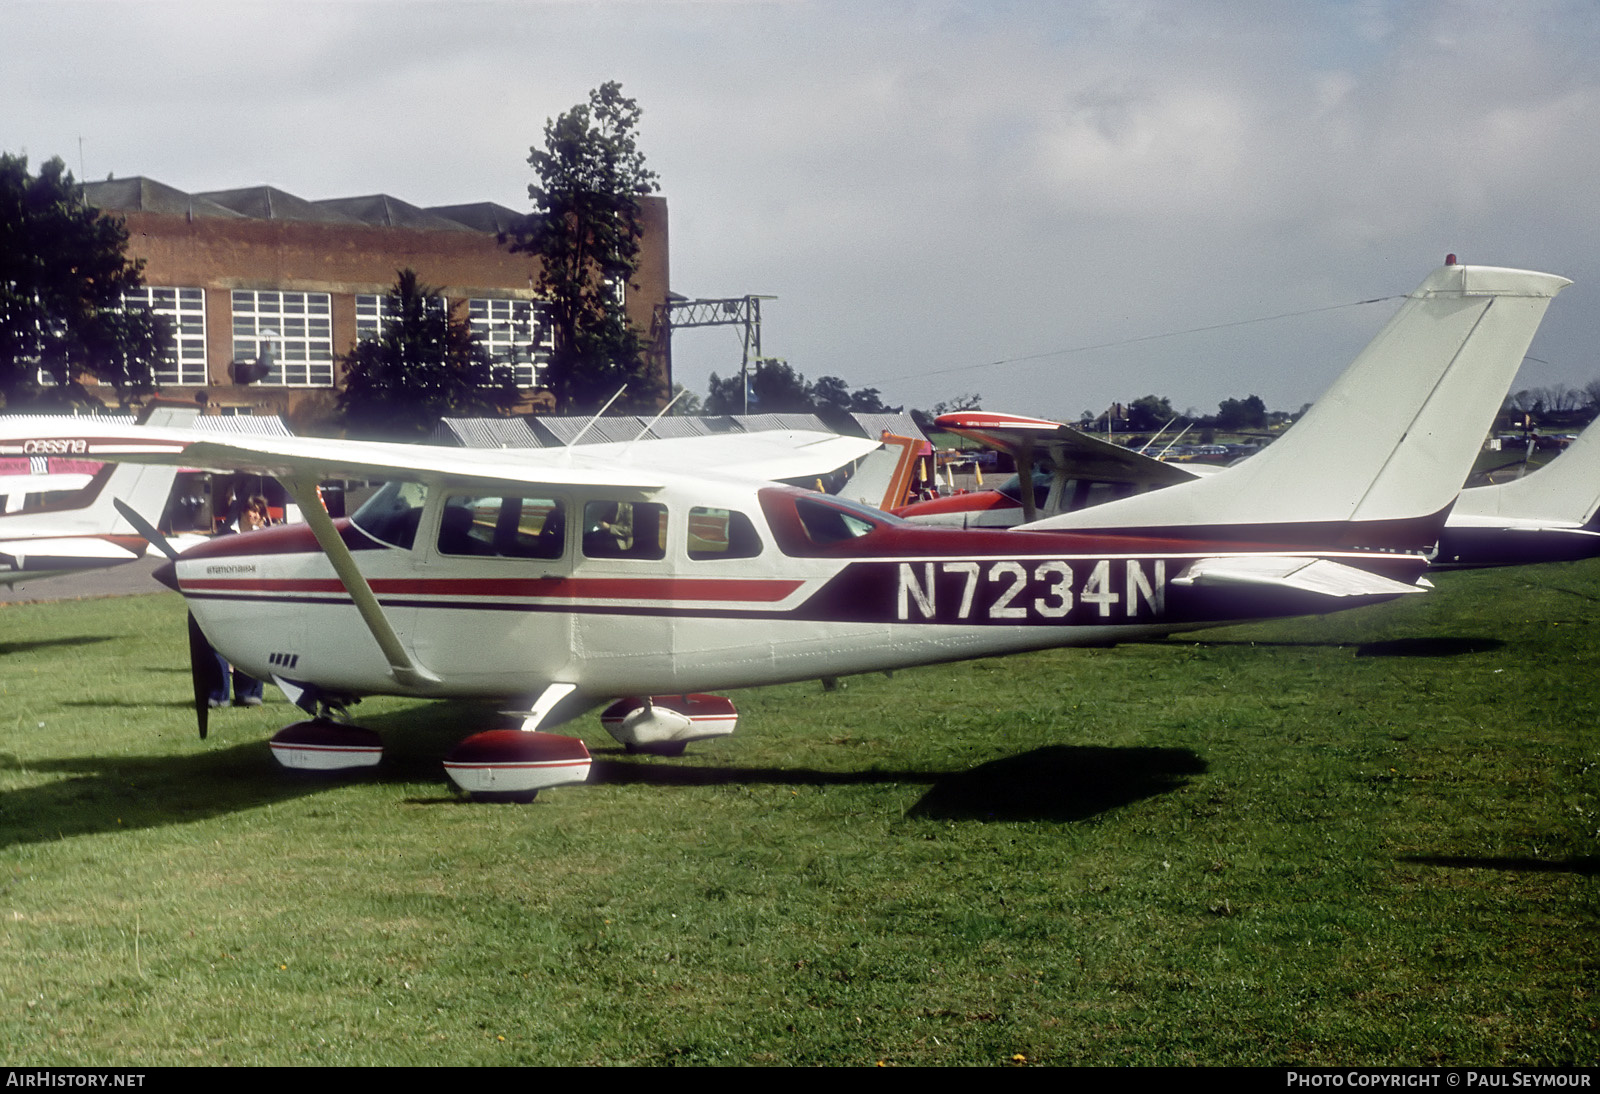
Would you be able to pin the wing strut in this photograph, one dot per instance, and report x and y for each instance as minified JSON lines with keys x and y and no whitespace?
{"x":401,"y":667}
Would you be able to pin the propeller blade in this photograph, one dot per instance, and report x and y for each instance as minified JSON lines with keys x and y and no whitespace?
{"x":146,"y":529}
{"x":205,"y":671}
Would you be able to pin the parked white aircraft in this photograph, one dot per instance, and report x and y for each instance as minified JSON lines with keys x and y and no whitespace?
{"x":577,"y":577}
{"x":86,"y":531}
{"x":18,"y":491}
{"x":1549,"y":515}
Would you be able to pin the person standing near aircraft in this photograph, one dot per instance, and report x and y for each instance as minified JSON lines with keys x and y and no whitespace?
{"x":247,"y":689}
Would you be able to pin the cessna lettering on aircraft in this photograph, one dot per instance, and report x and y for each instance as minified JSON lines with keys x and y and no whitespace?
{"x":575,"y":578}
{"x":85,"y":531}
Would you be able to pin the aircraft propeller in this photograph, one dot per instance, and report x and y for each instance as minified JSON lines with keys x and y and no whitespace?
{"x":204,"y":670}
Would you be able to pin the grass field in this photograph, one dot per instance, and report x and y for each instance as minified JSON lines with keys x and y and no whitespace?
{"x":1369,"y":838}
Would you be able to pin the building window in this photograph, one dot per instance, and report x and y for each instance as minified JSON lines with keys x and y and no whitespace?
{"x":300,"y":328}
{"x":373,"y":310}
{"x":185,"y":309}
{"x":515,"y":333}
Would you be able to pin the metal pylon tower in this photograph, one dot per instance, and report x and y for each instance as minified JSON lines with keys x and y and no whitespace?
{"x":729,"y":311}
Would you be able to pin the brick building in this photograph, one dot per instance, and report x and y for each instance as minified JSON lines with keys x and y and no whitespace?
{"x":231,"y":268}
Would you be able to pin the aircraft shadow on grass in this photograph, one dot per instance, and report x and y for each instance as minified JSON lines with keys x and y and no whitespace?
{"x":105,"y":794}
{"x":1428,"y":647}
{"x":1582,"y":865}
{"x":1394,"y":647}
{"x":1059,"y":783}
{"x":7,"y":648}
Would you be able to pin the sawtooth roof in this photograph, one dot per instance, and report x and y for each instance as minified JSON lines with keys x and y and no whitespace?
{"x":144,"y":195}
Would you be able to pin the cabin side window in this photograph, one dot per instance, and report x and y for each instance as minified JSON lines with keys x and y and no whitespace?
{"x":492,"y":526}
{"x":392,"y":514}
{"x":721,"y":533}
{"x":625,"y":529}
{"x":826,"y":524}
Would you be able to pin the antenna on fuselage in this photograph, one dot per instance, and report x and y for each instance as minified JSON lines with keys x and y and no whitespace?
{"x":1146,"y":446}
{"x":1170,"y":444}
{"x":652,"y":422}
{"x":590,"y":424}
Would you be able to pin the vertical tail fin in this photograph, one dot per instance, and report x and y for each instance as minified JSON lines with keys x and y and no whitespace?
{"x":144,"y":487}
{"x":883,"y":477}
{"x":1566,"y":490}
{"x":1386,"y":448}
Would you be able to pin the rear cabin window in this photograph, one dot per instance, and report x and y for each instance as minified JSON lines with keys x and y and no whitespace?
{"x":492,"y":526}
{"x":721,"y":533}
{"x":392,"y":514}
{"x":625,"y":529}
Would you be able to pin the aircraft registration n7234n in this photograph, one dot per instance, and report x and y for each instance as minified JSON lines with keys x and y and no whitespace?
{"x":561,"y":580}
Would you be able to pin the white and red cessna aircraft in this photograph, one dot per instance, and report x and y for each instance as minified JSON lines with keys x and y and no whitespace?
{"x":569,"y":579}
{"x":84,"y":531}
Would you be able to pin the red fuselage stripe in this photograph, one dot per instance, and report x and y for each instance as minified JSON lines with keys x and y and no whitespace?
{"x":561,"y":588}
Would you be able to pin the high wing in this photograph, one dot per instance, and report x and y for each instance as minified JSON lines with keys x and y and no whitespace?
{"x":641,"y":466}
{"x":1060,"y":446}
{"x":770,"y":455}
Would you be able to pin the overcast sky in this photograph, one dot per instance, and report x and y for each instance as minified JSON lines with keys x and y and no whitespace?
{"x":945,"y":197}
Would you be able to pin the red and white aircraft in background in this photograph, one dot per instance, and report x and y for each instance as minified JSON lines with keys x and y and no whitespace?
{"x":85,"y":531}
{"x":569,"y":579}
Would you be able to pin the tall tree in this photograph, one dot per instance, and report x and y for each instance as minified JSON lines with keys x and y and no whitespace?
{"x":422,"y":366}
{"x":585,"y":231}
{"x":1247,"y":413}
{"x":1150,"y":412}
{"x":775,"y":388}
{"x":63,"y":276}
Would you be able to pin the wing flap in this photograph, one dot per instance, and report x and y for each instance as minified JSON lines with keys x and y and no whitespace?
{"x":1086,"y":456}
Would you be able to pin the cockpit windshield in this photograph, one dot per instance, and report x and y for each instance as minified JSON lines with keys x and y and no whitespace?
{"x":392,"y":514}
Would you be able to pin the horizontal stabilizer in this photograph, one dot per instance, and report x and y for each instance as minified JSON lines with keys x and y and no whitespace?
{"x":1311,"y":575}
{"x":65,"y":547}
